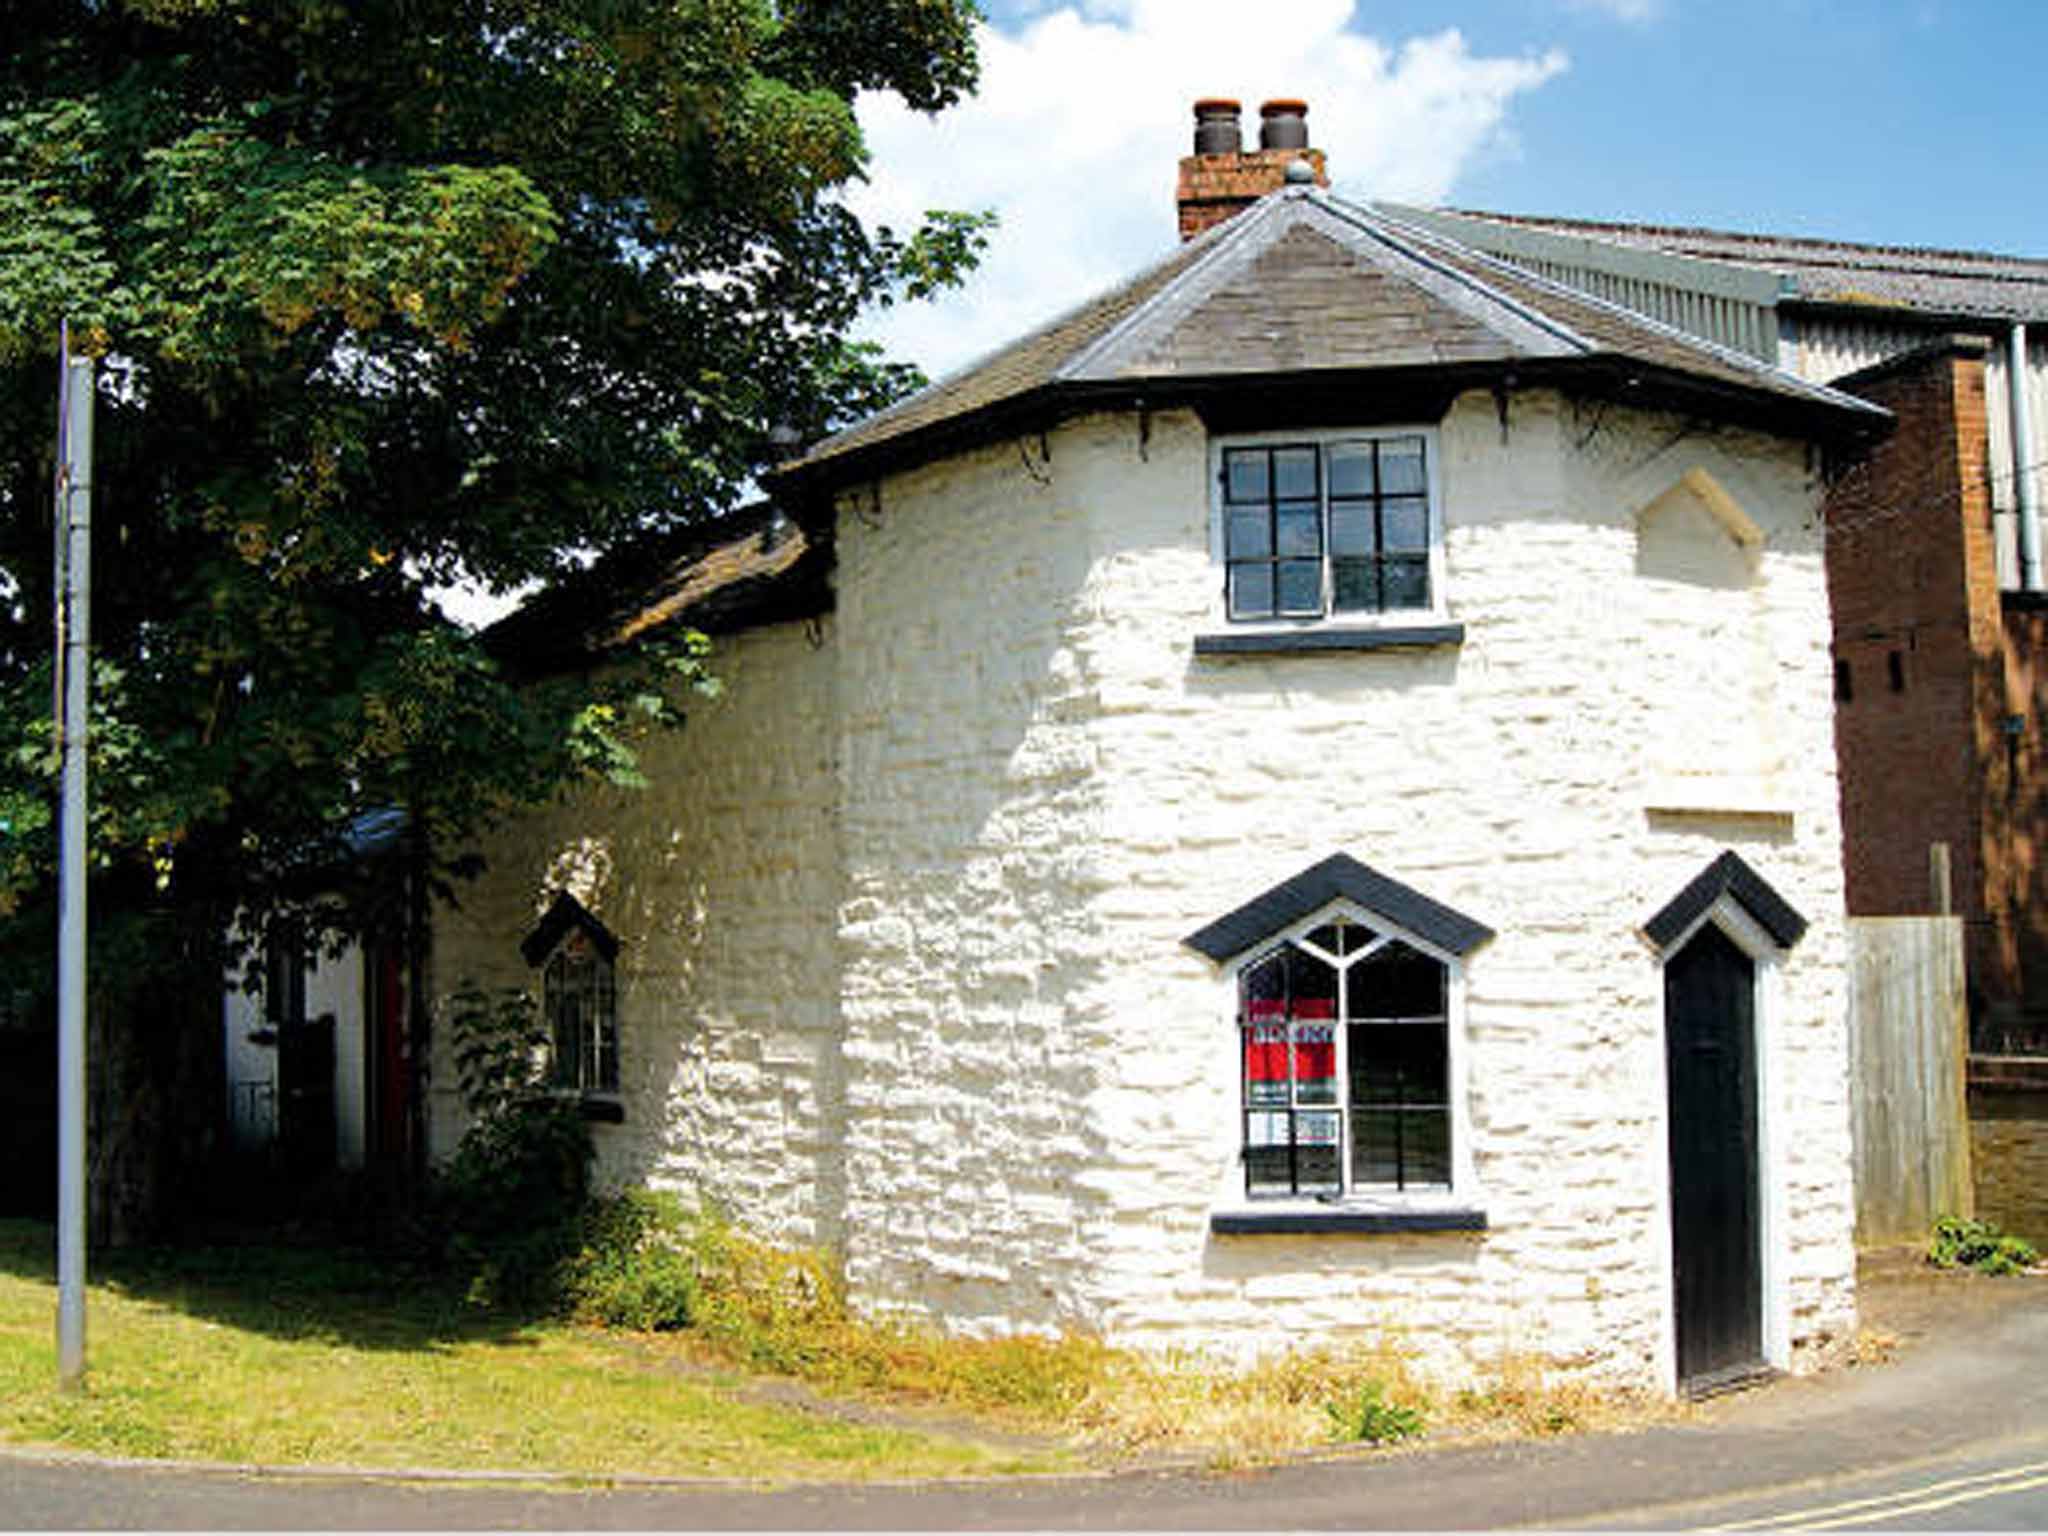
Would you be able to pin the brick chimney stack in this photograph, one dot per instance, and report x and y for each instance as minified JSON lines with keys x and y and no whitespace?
{"x":1222,"y":178}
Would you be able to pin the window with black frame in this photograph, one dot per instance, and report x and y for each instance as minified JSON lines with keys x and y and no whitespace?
{"x":580,"y":1000}
{"x":1315,"y":529}
{"x":1346,"y":1066}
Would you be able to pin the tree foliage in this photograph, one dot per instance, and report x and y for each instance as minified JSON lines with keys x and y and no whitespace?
{"x":390,"y":294}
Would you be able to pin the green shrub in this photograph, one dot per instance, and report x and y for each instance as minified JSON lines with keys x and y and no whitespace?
{"x":1370,"y":1419}
{"x":510,"y":1204}
{"x":635,"y":1269}
{"x":1979,"y":1245}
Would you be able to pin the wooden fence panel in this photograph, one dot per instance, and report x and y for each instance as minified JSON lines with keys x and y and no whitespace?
{"x":1909,"y":1041}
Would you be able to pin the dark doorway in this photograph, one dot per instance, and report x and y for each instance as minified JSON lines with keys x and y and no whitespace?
{"x":1710,"y":1060}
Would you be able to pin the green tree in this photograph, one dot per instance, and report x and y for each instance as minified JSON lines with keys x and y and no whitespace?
{"x":391,"y":294}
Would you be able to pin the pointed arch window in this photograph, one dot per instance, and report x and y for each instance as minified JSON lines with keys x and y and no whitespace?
{"x":581,"y":1004}
{"x":579,"y":996}
{"x":1347,"y":1065}
{"x":1349,"y":989}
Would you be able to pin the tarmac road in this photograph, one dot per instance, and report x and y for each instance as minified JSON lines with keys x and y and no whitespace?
{"x":1951,"y":1435}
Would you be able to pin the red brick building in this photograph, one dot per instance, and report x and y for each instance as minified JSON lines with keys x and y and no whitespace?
{"x":1940,"y":632}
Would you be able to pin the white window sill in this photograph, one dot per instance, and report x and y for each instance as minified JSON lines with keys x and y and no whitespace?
{"x":1419,"y":631}
{"x":1360,"y":1213}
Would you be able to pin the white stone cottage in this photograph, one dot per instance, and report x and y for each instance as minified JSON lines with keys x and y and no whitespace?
{"x":1294,"y":804}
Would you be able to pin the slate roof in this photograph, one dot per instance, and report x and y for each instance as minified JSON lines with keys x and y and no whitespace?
{"x":1728,"y":875}
{"x":1338,"y":876}
{"x":753,"y":566}
{"x":1306,"y":283}
{"x":1944,"y":284}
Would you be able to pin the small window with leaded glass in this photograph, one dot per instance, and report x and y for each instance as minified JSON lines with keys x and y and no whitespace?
{"x":579,"y":999}
{"x":1332,"y":527}
{"x":1345,"y":1040}
{"x":575,"y":954}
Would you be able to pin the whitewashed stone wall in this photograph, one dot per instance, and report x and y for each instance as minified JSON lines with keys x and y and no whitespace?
{"x":903,"y":917}
{"x":1045,"y":792}
{"x":721,"y":884}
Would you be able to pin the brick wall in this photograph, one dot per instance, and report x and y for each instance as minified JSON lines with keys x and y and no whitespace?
{"x":1216,"y":187}
{"x":1913,"y":582}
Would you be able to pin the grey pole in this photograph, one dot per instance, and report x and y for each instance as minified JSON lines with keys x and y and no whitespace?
{"x":2025,"y":497}
{"x":74,"y":571}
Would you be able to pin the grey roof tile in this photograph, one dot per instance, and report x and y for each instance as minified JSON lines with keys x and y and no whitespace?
{"x":1304,"y":282}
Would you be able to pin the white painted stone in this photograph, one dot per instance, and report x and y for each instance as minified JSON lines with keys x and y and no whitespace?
{"x":929,"y":1000}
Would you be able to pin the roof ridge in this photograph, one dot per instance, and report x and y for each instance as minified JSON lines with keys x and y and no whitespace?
{"x":1717,"y":350}
{"x":1223,"y":238}
{"x":1369,"y":223}
{"x":1016,"y":343}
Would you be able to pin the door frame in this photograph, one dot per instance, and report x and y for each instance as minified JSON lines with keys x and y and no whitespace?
{"x":1765,"y":956}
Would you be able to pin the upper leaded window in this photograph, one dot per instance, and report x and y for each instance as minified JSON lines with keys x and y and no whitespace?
{"x":1346,"y":1054}
{"x":1323,"y":528}
{"x":582,"y":1014}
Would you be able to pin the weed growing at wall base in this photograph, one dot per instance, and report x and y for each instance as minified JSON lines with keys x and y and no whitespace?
{"x":1980,"y":1245}
{"x":651,"y":1265}
{"x":1370,"y":1418}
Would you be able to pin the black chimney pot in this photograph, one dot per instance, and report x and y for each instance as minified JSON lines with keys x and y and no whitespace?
{"x":1216,"y":128}
{"x":1283,"y":124}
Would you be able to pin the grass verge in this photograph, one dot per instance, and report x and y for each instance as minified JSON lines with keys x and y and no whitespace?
{"x":285,"y":1357}
{"x":296,"y":1356}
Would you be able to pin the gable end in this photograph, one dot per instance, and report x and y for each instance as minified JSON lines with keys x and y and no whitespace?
{"x":1338,"y":876}
{"x":566,"y":913}
{"x":1726,"y":876}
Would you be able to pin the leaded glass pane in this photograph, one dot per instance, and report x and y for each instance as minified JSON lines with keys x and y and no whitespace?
{"x":1401,"y":1148}
{"x":1301,"y":587}
{"x":1251,"y":591}
{"x":1351,"y":472}
{"x":1314,"y":1012}
{"x":1268,"y":1153}
{"x":1404,"y":523}
{"x":580,"y":1005}
{"x":1398,"y":982}
{"x":1355,"y":586}
{"x":1351,"y":528}
{"x":1401,"y":467}
{"x":1315,"y":1061}
{"x":561,"y":1002}
{"x":1249,"y":533}
{"x":1375,"y":1147}
{"x":1404,"y":582}
{"x":1244,"y":475}
{"x":1294,"y":473}
{"x":1399,"y":1064}
{"x":1299,"y":528}
{"x":1425,"y":1146}
{"x":606,"y":1032}
{"x":1317,"y":1153}
{"x":1264,"y":1021}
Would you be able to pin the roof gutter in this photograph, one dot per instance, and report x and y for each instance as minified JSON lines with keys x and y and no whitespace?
{"x":808,"y":483}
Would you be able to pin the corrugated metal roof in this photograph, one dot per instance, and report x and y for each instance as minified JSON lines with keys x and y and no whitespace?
{"x":1836,"y":272}
{"x":1304,"y":283}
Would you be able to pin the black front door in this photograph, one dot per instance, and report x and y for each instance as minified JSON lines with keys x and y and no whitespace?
{"x":1710,"y":1058}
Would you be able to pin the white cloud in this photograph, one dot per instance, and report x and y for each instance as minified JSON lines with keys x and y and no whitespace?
{"x":1635,"y":11}
{"x":1076,"y":135}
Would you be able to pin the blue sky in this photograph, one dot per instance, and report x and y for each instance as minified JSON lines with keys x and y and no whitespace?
{"x":1913,"y":122}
